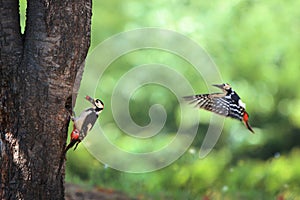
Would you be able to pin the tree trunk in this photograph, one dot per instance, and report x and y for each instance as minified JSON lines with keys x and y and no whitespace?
{"x":38,"y":71}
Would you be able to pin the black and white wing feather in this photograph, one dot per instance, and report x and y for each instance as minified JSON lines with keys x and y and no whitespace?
{"x":210,"y":102}
{"x":88,"y":124}
{"x":217,"y":103}
{"x":236,"y":111}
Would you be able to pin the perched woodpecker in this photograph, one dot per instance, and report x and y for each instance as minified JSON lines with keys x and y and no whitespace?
{"x":84,"y":122}
{"x":228,"y":103}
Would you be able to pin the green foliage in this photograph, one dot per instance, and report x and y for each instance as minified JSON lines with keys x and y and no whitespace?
{"x":255,"y":45}
{"x":22,"y":8}
{"x":192,"y":178}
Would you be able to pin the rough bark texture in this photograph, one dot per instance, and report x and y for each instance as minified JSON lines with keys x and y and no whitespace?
{"x":38,"y":71}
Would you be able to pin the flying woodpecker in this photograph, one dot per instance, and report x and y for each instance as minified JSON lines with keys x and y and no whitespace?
{"x":84,"y":122}
{"x":228,"y":103}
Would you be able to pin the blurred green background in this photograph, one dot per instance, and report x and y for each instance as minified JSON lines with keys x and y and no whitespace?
{"x":256,"y":46}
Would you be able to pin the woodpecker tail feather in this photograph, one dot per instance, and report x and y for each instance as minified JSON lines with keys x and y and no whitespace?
{"x":249,"y":127}
{"x":76,"y":145}
{"x":63,"y":155}
{"x":72,"y":143}
{"x":245,"y":120}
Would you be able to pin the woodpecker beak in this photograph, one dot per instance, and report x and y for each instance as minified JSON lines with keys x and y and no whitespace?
{"x":90,"y":99}
{"x":221,"y":86}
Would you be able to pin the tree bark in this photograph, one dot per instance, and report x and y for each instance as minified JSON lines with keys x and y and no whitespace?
{"x":38,"y":71}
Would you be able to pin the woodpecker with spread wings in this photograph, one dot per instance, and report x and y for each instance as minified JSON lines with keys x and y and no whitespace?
{"x":228,"y":104}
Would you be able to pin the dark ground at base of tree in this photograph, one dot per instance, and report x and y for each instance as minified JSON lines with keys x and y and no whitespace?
{"x":75,"y":192}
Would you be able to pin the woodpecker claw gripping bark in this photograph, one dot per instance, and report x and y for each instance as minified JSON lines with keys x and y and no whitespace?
{"x":227,"y":104}
{"x":84,"y":122}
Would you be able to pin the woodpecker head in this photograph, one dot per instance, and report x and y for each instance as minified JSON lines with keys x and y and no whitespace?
{"x":99,"y":105}
{"x":225,"y":87}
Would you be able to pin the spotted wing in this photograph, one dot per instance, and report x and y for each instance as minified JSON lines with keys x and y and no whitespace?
{"x":88,"y":124}
{"x":236,"y":111}
{"x":211,"y":102}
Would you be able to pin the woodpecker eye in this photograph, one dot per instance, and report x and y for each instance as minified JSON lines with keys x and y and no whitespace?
{"x":99,"y":103}
{"x":226,"y":86}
